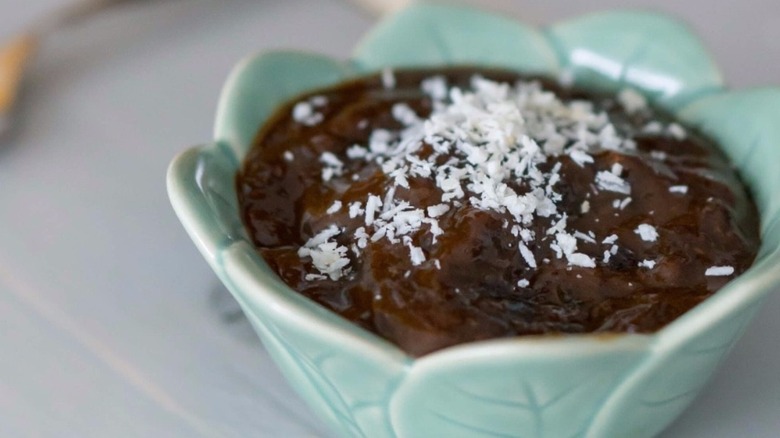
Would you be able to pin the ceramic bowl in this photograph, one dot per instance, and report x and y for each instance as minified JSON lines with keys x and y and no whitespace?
{"x":572,"y":386}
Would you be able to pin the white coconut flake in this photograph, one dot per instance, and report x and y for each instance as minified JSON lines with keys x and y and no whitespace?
{"x":288,"y":156}
{"x":566,"y":77}
{"x":654,"y":127}
{"x":416,"y":254}
{"x":355,"y":209}
{"x":580,"y":157}
{"x":719,"y":271}
{"x":435,"y":87}
{"x":584,"y":237}
{"x":362,"y":237}
{"x":631,"y":100}
{"x":649,"y":264}
{"x":523,"y":282}
{"x":647,"y":232}
{"x":388,"y":78}
{"x":301,"y":111}
{"x":332,"y":166}
{"x":609,"y":240}
{"x":658,"y":155}
{"x":566,"y":242}
{"x":334,"y":208}
{"x":327,"y":256}
{"x":581,"y":260}
{"x":677,"y":131}
{"x":437,"y":210}
{"x":528,"y":256}
{"x":559,"y":226}
{"x":356,"y":151}
{"x":372,"y":205}
{"x":609,"y":139}
{"x":320,"y":238}
{"x":613,"y":183}
{"x":304,"y":113}
{"x":678,"y":189}
{"x":404,"y":114}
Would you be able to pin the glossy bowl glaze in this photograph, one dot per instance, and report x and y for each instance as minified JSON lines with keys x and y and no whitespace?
{"x":559,"y":387}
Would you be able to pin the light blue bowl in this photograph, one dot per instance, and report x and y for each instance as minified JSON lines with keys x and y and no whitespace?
{"x":560,"y":387}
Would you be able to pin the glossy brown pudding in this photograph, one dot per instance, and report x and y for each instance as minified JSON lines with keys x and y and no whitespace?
{"x":440,"y":207}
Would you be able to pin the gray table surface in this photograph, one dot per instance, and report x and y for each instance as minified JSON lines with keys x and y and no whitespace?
{"x":111,"y":324}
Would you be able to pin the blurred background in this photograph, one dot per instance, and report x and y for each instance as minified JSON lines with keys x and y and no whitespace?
{"x":111,"y":324}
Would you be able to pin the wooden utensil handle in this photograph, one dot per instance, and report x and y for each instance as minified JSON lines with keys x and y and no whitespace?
{"x":14,"y":57}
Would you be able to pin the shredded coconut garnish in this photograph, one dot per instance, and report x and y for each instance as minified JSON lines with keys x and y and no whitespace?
{"x":649,"y":264}
{"x":416,"y":254}
{"x":372,"y":205}
{"x":494,"y":147}
{"x":654,"y":127}
{"x":355,"y":209}
{"x":332,"y":166}
{"x":658,"y":155}
{"x":623,"y":203}
{"x":435,"y":87}
{"x":719,"y":271}
{"x":326,"y":254}
{"x":528,"y":256}
{"x":631,"y":100}
{"x":609,"y":181}
{"x":647,"y":232}
{"x":334,"y":208}
{"x":438,"y":210}
{"x":677,"y":131}
{"x":305,"y":112}
{"x":678,"y":189}
{"x":388,"y":78}
{"x":580,"y":157}
{"x":584,"y":237}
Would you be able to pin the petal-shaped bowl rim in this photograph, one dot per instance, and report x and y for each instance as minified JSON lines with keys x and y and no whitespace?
{"x":237,"y":264}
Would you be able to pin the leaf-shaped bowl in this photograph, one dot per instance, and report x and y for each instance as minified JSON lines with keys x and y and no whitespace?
{"x":571,"y":386}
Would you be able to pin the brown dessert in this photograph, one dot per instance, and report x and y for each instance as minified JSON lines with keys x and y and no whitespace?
{"x":441,"y":207}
